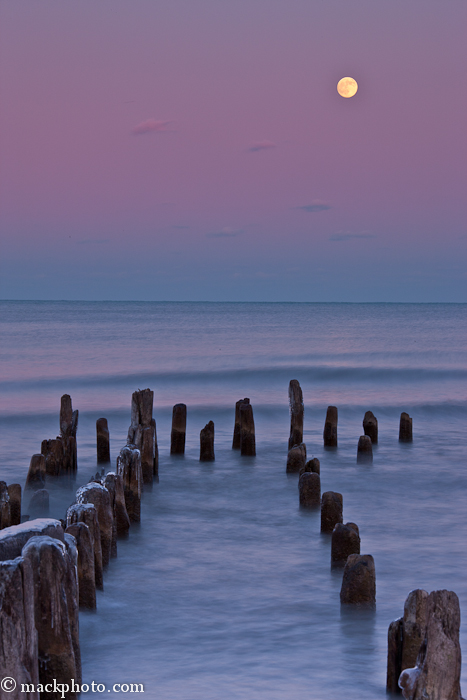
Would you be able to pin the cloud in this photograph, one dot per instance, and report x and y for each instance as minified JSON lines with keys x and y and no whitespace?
{"x":347,"y":235}
{"x":92,"y":241}
{"x":316,"y":205}
{"x":261,"y":146}
{"x":150,"y":126}
{"x":226,"y":232}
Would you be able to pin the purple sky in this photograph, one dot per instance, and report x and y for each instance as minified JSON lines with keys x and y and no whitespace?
{"x":198,"y":150}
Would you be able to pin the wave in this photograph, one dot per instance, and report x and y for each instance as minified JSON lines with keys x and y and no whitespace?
{"x":317,"y":374}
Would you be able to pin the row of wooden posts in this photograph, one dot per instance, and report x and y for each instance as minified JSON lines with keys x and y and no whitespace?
{"x":424,"y":655}
{"x":48,"y":552}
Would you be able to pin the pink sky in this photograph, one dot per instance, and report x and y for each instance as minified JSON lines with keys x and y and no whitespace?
{"x":198,"y":149}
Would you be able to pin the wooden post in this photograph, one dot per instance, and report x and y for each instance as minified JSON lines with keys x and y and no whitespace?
{"x":236,"y":442}
{"x":405,"y":428}
{"x":177,"y":436}
{"x":296,"y":413}
{"x":206,"y":443}
{"x":247,"y":430}
{"x":103,"y":441}
{"x":330,"y":427}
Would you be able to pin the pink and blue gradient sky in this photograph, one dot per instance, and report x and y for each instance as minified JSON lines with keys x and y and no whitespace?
{"x":198,"y":150}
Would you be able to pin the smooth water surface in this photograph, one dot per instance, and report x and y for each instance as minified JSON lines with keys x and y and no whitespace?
{"x":225,"y":590}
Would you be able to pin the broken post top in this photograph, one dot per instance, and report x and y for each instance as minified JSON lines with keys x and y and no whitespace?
{"x":295,"y":397}
{"x":141,"y":407}
{"x":68,"y":417}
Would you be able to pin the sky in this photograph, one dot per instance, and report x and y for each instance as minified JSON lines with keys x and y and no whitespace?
{"x":198,"y":150}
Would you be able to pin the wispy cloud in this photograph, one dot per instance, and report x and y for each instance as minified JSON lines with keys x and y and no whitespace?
{"x":261,"y":146}
{"x":347,"y":235}
{"x":92,"y":241}
{"x":315,"y":206}
{"x":150,"y":126}
{"x":226,"y":232}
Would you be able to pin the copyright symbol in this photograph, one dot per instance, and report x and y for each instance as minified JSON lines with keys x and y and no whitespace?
{"x":8,"y":684}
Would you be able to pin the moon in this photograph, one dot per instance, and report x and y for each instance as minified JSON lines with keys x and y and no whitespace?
{"x":347,"y":87}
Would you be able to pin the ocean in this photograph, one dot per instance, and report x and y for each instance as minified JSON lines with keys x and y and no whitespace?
{"x":225,"y":590}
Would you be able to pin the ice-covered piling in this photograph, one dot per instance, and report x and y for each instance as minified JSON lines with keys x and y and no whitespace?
{"x":309,"y":489}
{"x":359,"y":581}
{"x":129,"y":468}
{"x":13,"y":539}
{"x":102,"y":441}
{"x":296,"y":413}
{"x":370,"y":427}
{"x":114,"y":484}
{"x":142,"y":433}
{"x":330,"y":427}
{"x":405,"y":637}
{"x":296,"y":459}
{"x":86,"y":571}
{"x":436,"y":674}
{"x":405,"y":428}
{"x":206,"y":443}
{"x":247,"y":430}
{"x":364,"y":450}
{"x":86,"y":513}
{"x":18,"y":635}
{"x":36,"y":473}
{"x":178,"y":433}
{"x":56,"y":611}
{"x":331,"y":510}
{"x":345,"y":541}
{"x":98,"y":495}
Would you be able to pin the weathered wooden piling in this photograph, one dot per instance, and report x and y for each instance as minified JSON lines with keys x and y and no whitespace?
{"x":129,"y":468}
{"x":18,"y":635}
{"x":359,"y":581}
{"x":114,"y":484}
{"x":5,"y":511}
{"x":55,"y":611}
{"x":247,"y":431}
{"x":331,"y":510}
{"x":39,"y":504}
{"x":142,"y":433}
{"x":364,"y":450}
{"x":436,"y":674}
{"x":206,"y":443}
{"x":309,"y":489}
{"x":312,"y":465}
{"x":98,"y":495}
{"x":68,"y":428}
{"x":370,"y":427}
{"x":405,"y":637}
{"x":296,"y":459}
{"x":236,"y":442}
{"x":345,"y":541}
{"x":102,"y":441}
{"x":54,"y":456}
{"x":178,"y":433}
{"x":14,"y":492}
{"x":86,"y":570}
{"x":296,"y":413}
{"x":86,"y":513}
{"x":405,"y":428}
{"x":36,"y":474}
{"x":330,"y":427}
{"x":13,"y":539}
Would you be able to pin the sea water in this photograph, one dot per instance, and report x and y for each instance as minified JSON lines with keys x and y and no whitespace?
{"x":225,"y":591}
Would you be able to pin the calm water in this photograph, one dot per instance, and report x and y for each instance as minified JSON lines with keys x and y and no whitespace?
{"x":225,"y":590}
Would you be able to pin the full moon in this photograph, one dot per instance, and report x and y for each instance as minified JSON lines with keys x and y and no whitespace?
{"x":347,"y":87}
